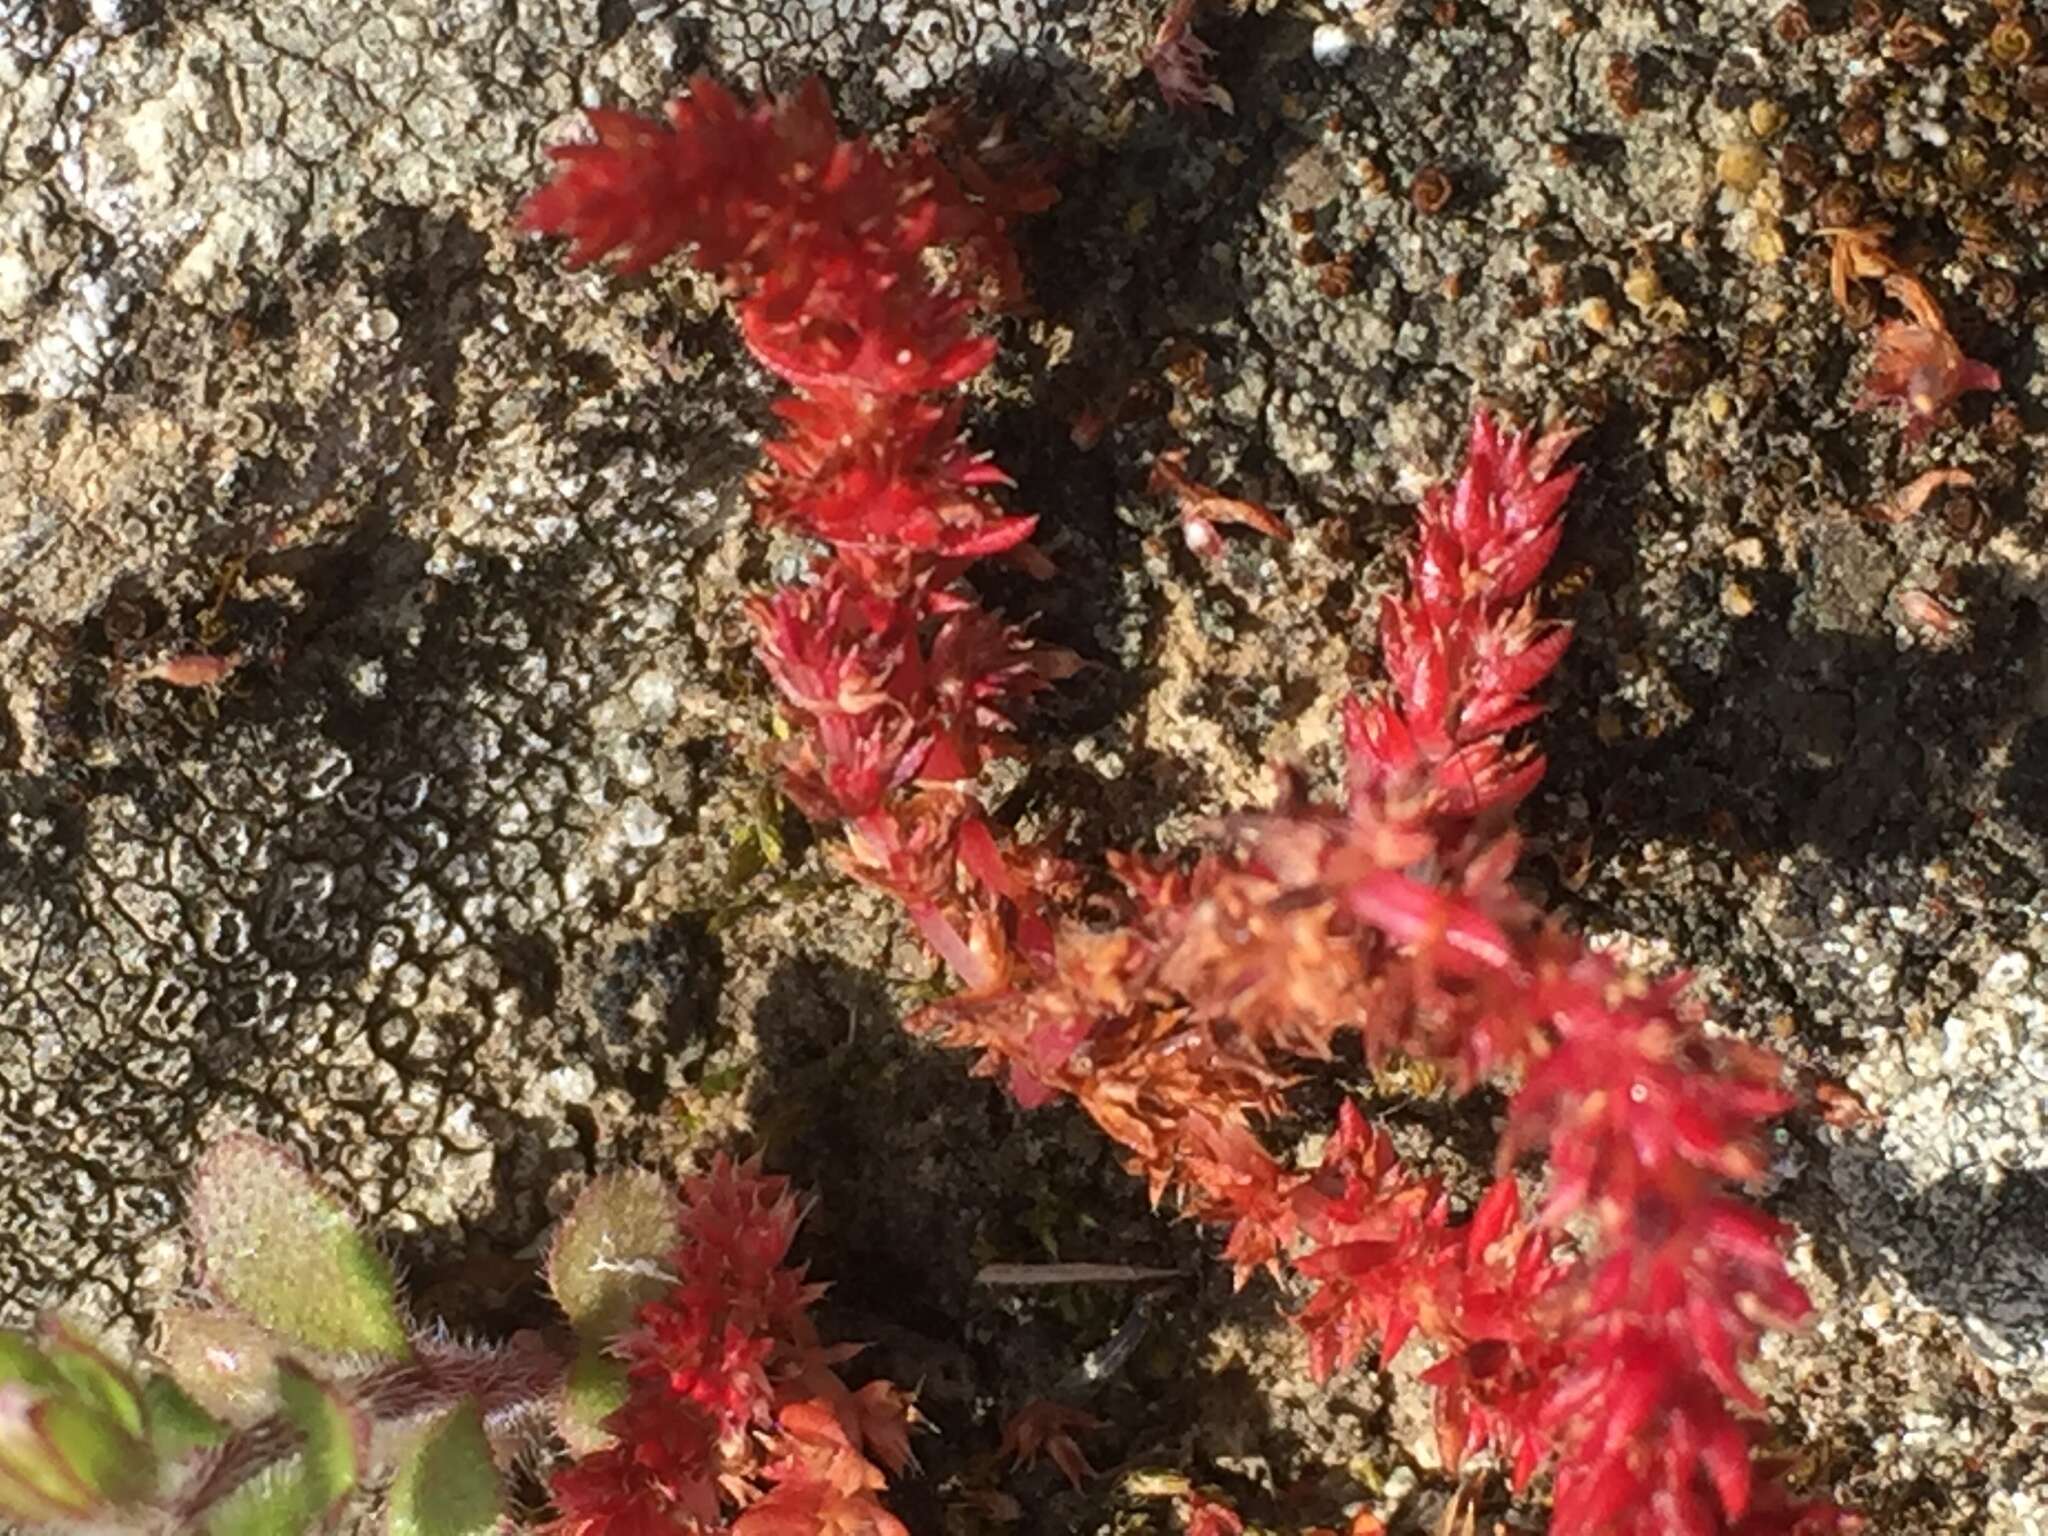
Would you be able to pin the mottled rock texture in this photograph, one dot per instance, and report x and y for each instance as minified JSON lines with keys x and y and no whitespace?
{"x":466,"y":877}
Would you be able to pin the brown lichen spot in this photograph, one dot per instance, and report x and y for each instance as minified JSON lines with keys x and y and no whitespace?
{"x":1677,"y":368}
{"x":1912,"y":42}
{"x":2026,"y":189}
{"x":2006,"y":426}
{"x":2012,"y":43}
{"x":1987,"y":104}
{"x":1962,"y":515}
{"x":1186,"y":366}
{"x":1997,"y":293}
{"x":1969,"y":162}
{"x":1839,"y":205}
{"x":1431,"y":190}
{"x":1981,"y":237}
{"x":1799,"y":166}
{"x":1624,"y":84}
{"x":1860,"y":131}
{"x":1898,"y":180}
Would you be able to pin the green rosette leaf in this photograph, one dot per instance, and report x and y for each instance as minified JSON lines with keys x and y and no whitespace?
{"x":278,"y":1248}
{"x":447,"y":1483}
{"x":612,"y":1252}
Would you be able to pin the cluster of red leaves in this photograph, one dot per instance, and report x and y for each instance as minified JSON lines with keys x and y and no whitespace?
{"x":1916,"y":366}
{"x":1613,"y":1355}
{"x":821,"y":237}
{"x":897,"y":683}
{"x":734,"y":1418}
{"x":1612,"y":1350}
{"x":1209,"y":1516}
{"x":1179,"y":62}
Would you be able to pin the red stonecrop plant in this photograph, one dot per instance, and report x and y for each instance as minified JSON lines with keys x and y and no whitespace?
{"x":1602,"y":1334}
{"x":733,"y":1417}
{"x":899,"y":683}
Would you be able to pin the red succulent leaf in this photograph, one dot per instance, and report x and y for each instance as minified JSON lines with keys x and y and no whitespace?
{"x":1178,"y":61}
{"x":822,"y":237}
{"x":1917,"y":365}
{"x":1202,"y":507}
{"x":1043,"y":1427}
{"x":1212,"y":1517}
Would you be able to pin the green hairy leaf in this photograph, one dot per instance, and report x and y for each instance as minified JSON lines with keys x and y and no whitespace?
{"x":177,"y":1425}
{"x":278,"y":1502}
{"x":93,"y":1451}
{"x":72,"y":1429}
{"x":280,"y":1250}
{"x":93,"y":1377}
{"x":225,"y":1363}
{"x":23,"y":1362}
{"x":447,"y":1482}
{"x":595,"y":1390}
{"x":337,"y":1438}
{"x":611,"y":1253}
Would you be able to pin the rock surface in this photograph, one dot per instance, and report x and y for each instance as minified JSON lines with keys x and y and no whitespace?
{"x":466,"y":877}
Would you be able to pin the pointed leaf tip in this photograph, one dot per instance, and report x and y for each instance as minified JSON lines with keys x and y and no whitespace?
{"x":94,"y":1378}
{"x":278,"y":1248}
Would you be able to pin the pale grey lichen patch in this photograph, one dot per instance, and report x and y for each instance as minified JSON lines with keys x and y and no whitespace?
{"x":332,"y":924}
{"x":36,"y":245}
{"x":187,"y":169}
{"x":1952,"y":1190}
{"x":910,"y":49}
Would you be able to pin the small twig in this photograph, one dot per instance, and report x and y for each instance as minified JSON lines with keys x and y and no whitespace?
{"x":1070,"y":1274}
{"x":1098,"y":1365}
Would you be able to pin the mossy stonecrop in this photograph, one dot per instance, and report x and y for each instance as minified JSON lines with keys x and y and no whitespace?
{"x":1612,"y":1352}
